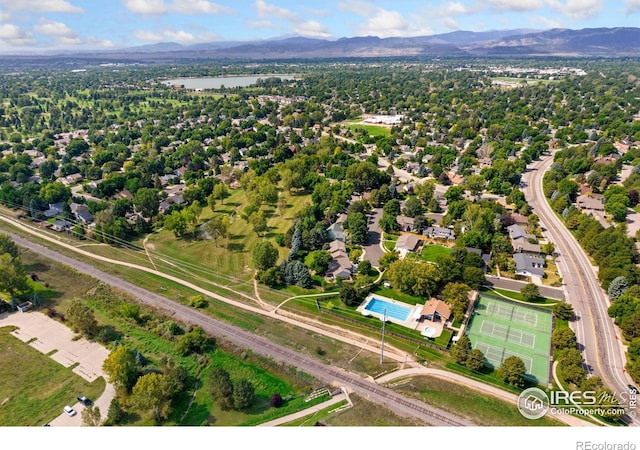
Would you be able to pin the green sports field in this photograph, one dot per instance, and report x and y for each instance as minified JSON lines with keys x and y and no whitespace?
{"x":501,"y":328}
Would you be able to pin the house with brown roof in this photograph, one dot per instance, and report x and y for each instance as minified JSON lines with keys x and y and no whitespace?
{"x":592,"y":202}
{"x":407,"y":243}
{"x":436,"y":311}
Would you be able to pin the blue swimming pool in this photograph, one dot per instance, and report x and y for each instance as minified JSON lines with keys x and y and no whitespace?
{"x":398,"y":312}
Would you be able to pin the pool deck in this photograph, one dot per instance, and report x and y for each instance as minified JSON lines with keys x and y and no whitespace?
{"x":411,"y":321}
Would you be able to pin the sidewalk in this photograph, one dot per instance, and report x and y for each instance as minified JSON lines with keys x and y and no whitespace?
{"x":309,"y":411}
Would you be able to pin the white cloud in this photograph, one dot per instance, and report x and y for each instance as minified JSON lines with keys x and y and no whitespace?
{"x":268,"y":10}
{"x":14,"y":36}
{"x":383,"y":22}
{"x":455,"y":8}
{"x":41,"y":5}
{"x":146,"y":6}
{"x":51,"y":28}
{"x":577,"y":9}
{"x":632,"y":6}
{"x":164,"y":35}
{"x":516,"y":5}
{"x":546,"y":23}
{"x":257,"y":24}
{"x":198,"y":7}
{"x":312,"y":28}
{"x":150,"y":7}
{"x":4,"y":16}
{"x":451,"y":24}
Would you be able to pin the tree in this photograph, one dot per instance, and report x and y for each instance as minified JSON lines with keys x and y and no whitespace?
{"x":8,"y":246}
{"x":473,"y":277}
{"x":276,"y":400}
{"x":530,"y":292}
{"x":460,"y":352}
{"x":364,"y":267}
{"x":258,"y":220}
{"x":617,"y":287}
{"x":147,"y":202}
{"x":220,"y":191}
{"x":512,"y":371}
{"x":221,"y":388}
{"x":115,"y":414}
{"x":387,"y":259}
{"x":13,"y":278}
{"x":194,"y":341}
{"x":475,"y":360}
{"x":264,"y":255}
{"x":243,"y":394}
{"x":412,"y":207}
{"x":81,"y":318}
{"x":151,"y":391}
{"x":121,"y":368}
{"x":548,"y":248}
{"x":318,"y":260}
{"x":350,"y":295}
{"x":218,"y":227}
{"x":91,"y":416}
{"x":357,"y":224}
{"x":563,"y":310}
{"x":457,"y":296}
{"x":563,"y":338}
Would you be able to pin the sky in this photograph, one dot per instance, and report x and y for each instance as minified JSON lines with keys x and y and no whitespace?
{"x":44,"y":25}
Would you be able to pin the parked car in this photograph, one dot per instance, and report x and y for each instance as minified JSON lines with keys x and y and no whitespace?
{"x":69,"y":410}
{"x":84,"y":400}
{"x":632,"y":389}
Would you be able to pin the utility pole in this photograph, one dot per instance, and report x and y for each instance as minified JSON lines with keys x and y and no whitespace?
{"x":384,"y":321}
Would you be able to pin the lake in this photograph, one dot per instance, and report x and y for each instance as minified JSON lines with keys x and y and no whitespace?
{"x":218,"y":82}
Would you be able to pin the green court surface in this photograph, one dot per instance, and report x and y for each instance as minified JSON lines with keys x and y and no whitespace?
{"x":500,"y":328}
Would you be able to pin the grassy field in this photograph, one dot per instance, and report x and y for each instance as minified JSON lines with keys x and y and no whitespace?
{"x":542,"y":301}
{"x":430,"y":252}
{"x":467,"y":403}
{"x":33,"y":387}
{"x":523,"y":80}
{"x":372,"y":130}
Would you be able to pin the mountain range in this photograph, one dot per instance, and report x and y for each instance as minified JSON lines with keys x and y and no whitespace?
{"x":588,"y":42}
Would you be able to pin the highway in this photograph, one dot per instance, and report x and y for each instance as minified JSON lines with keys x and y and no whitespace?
{"x":597,"y":335}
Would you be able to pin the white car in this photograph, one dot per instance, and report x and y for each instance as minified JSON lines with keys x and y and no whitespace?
{"x":69,"y":410}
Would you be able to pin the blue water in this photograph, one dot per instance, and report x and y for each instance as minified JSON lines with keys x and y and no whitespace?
{"x":397,"y":312}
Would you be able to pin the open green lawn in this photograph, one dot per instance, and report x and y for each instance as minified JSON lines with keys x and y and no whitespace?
{"x":523,"y":80}
{"x":372,"y":130}
{"x":466,"y":402}
{"x":542,"y":301}
{"x":33,"y":387}
{"x":430,"y":252}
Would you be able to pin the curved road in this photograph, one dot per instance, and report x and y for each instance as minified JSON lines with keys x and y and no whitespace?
{"x":595,"y":331}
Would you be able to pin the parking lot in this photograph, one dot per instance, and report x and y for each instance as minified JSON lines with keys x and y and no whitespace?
{"x":51,"y":337}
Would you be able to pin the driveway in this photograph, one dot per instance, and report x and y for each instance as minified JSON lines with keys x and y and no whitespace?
{"x":46,"y":335}
{"x":372,"y":248}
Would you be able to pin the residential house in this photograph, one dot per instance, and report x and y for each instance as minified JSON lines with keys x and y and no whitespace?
{"x":81,"y":213}
{"x":407,"y":243}
{"x":55,"y":209}
{"x":405,"y":223}
{"x":521,"y":240}
{"x":61,"y":225}
{"x":529,"y":266}
{"x":340,"y":265}
{"x":335,"y":230}
{"x":440,"y":233}
{"x":592,"y":202}
{"x":436,"y":311}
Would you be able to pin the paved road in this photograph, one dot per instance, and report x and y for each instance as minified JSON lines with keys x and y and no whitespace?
{"x":595,"y":331}
{"x":372,"y":249}
{"x":366,"y":388}
{"x":515,"y":285}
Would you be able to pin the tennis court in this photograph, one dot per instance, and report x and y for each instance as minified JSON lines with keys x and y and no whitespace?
{"x":500,"y":328}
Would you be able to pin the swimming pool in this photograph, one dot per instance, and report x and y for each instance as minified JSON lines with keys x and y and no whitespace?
{"x":398,"y":312}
